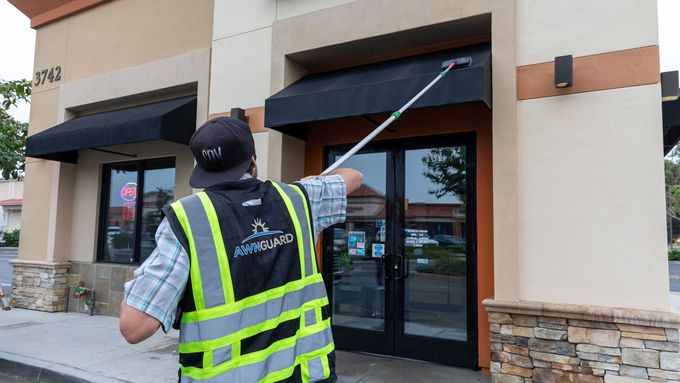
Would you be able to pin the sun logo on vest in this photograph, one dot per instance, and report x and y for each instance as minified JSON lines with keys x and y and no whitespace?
{"x":276,"y":238}
{"x":258,"y":223}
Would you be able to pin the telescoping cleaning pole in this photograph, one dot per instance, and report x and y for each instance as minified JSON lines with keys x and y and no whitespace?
{"x":447,"y":65}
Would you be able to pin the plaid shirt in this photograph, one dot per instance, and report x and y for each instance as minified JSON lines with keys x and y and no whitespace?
{"x":160,"y":281}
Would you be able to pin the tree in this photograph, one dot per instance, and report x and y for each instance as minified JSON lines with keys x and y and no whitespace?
{"x":12,"y":132}
{"x":446,"y":169}
{"x":672,"y":173}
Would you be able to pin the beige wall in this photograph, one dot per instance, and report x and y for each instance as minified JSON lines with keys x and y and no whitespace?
{"x":591,"y":183}
{"x":120,"y":53}
{"x":13,"y":219}
{"x":11,"y":189}
{"x":241,"y":70}
{"x":288,"y":8}
{"x":546,"y":28}
{"x":592,"y":227}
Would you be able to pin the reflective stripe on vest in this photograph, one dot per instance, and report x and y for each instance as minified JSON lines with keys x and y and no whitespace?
{"x":281,"y":362}
{"x":219,"y":323}
{"x":297,"y":207}
{"x":210,"y":276}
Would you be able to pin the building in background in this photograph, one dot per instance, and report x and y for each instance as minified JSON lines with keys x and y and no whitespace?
{"x":506,"y":223}
{"x":11,"y":199}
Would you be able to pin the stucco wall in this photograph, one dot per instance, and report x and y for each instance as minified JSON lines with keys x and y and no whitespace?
{"x":591,"y":199}
{"x":13,"y":219}
{"x":591,"y":183}
{"x":114,"y":51}
{"x":11,"y":189}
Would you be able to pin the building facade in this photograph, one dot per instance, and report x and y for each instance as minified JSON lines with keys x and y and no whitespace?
{"x":504,"y":224}
{"x":11,"y":193}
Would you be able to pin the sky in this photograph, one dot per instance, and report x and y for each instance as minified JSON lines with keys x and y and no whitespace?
{"x":17,"y":40}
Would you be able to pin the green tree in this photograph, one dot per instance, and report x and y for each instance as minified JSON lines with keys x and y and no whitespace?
{"x":445,"y":168}
{"x":672,"y":175}
{"x":12,"y":132}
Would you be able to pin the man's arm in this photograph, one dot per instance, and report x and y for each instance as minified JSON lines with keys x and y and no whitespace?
{"x":151,"y":298}
{"x":328,"y":196}
{"x":352,"y":178}
{"x":135,"y":325}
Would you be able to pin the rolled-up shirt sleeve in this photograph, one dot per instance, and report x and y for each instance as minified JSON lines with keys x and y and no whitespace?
{"x":160,"y":281}
{"x":328,"y":200}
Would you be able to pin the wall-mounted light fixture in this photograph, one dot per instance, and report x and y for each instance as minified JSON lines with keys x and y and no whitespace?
{"x":564,"y":71}
{"x":238,"y":113}
{"x":669,"y":86}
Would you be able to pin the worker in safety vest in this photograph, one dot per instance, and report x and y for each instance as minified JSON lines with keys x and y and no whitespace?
{"x":238,"y":261}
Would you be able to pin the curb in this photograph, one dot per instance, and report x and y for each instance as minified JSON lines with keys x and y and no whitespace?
{"x":23,"y":371}
{"x":40,"y":371}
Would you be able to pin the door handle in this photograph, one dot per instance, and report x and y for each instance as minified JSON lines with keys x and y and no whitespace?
{"x":383,"y":268}
{"x":398,"y":266}
{"x":408,"y":267}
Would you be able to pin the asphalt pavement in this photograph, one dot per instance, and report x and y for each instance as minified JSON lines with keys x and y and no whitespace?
{"x":6,"y":254}
{"x":674,"y":273}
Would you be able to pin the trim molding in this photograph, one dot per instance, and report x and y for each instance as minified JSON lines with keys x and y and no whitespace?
{"x":254,"y":116}
{"x":620,"y":69}
{"x":581,"y":312}
{"x":33,"y":263}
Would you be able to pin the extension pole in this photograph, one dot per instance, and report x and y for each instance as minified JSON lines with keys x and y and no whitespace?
{"x":395,"y":115}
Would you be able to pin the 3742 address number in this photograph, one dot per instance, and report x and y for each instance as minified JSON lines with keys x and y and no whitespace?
{"x":50,"y":75}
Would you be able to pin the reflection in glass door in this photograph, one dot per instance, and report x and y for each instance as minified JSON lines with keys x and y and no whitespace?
{"x":434,"y":239}
{"x":401,"y":269}
{"x":357,"y":248}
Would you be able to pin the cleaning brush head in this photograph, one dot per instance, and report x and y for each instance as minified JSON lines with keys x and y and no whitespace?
{"x":461,"y":62}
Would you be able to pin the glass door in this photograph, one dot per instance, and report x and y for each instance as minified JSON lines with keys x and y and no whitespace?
{"x":356,"y":250}
{"x":436,"y":300}
{"x":401,"y":269}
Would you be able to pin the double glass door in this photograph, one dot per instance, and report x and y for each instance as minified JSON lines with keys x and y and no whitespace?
{"x":401,"y":269}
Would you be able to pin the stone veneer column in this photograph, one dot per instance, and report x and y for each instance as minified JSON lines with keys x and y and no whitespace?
{"x":39,"y":285}
{"x":550,"y":343}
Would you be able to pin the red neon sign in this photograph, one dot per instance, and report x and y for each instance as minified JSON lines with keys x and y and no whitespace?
{"x":129,"y":192}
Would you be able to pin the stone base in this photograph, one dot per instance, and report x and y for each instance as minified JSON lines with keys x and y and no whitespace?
{"x":39,"y":285}
{"x":548,"y":343}
{"x":106,"y":279}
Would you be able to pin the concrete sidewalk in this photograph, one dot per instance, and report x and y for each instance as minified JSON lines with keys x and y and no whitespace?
{"x":92,"y":350}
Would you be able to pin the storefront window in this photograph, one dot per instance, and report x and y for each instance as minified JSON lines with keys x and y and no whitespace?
{"x":130,"y":219}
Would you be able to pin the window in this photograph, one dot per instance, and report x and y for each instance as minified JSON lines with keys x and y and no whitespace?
{"x":128,"y":220}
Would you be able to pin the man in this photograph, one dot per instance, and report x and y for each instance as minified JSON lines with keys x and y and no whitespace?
{"x":238,"y":261}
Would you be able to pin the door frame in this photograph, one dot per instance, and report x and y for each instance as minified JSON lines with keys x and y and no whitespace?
{"x":394,"y":341}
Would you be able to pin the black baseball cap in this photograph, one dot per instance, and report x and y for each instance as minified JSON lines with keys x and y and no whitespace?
{"x":223,"y":148}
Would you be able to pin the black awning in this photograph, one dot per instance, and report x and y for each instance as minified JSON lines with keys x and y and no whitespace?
{"x":671,"y":124}
{"x":382,"y":87}
{"x":172,"y":120}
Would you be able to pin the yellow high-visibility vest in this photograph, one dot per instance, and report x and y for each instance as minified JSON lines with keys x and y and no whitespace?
{"x":245,"y":329}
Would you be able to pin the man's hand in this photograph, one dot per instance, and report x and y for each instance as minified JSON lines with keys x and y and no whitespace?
{"x":352,"y":178}
{"x":136,"y":325}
